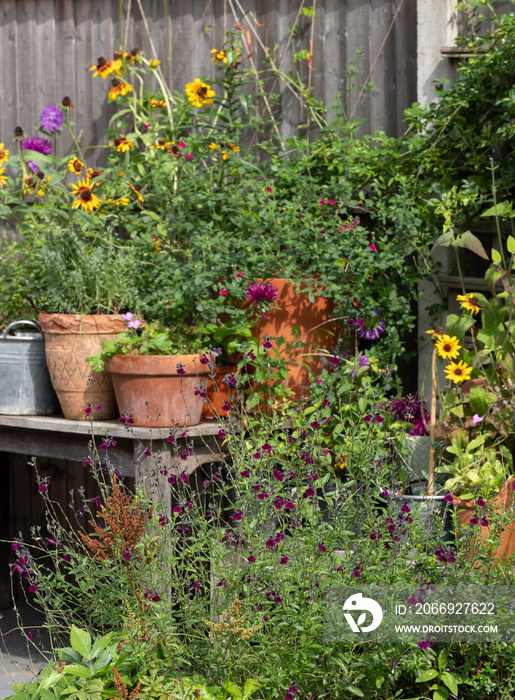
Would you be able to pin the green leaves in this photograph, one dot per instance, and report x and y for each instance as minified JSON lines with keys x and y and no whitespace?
{"x":81,"y":642}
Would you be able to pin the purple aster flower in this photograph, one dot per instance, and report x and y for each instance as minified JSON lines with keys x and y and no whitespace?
{"x":363,"y":362}
{"x":258,"y":292}
{"x":51,"y":118}
{"x":372,"y":328}
{"x":34,"y":143}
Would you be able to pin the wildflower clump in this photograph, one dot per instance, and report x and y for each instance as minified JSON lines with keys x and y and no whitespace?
{"x":232,"y":623}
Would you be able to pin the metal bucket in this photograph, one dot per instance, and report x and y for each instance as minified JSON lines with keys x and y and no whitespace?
{"x":25,"y":386}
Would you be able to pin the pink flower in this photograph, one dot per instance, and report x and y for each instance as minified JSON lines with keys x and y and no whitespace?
{"x":268,"y":189}
{"x":181,"y":144}
{"x":189,"y":156}
{"x":223,"y":292}
{"x":330,"y":201}
{"x":239,"y":274}
{"x":322,"y":201}
{"x":372,"y":246}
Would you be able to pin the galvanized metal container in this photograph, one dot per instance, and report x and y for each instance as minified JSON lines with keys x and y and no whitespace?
{"x":25,"y":385}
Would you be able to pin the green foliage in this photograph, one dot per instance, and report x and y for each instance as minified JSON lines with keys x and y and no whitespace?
{"x":149,"y":339}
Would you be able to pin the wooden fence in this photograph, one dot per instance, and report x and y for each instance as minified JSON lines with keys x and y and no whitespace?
{"x":48,"y":47}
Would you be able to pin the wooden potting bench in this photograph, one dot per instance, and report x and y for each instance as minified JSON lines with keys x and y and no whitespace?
{"x":55,"y":437}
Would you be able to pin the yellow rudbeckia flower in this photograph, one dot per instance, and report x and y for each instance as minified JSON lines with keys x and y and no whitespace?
{"x":459,"y":372}
{"x":448,"y":347}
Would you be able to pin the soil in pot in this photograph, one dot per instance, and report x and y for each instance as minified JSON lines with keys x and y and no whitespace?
{"x":159,"y":390}
{"x":69,"y":340}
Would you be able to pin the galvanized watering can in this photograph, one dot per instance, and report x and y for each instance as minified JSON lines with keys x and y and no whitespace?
{"x":25,"y":386}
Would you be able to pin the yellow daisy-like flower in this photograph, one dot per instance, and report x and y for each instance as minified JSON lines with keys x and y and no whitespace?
{"x":342,"y":461}
{"x":469,"y":302}
{"x":3,"y":179}
{"x":448,"y":347}
{"x":120,"y":201}
{"x":105,"y":68}
{"x":75,"y":166}
{"x":157,"y":103}
{"x":119,"y":89}
{"x":219,"y":56}
{"x":224,"y":155}
{"x":84,"y":197}
{"x":458,"y":372}
{"x":92,"y":175}
{"x":136,"y":190}
{"x":122,"y":145}
{"x":4,"y":154}
{"x":234,"y":148}
{"x":212,"y":146}
{"x":199,"y":93}
{"x":154,"y":63}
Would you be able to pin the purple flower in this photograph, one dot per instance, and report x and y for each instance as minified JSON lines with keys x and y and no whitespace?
{"x":127,"y":555}
{"x":363,"y":362}
{"x":448,"y":497}
{"x":251,"y":558}
{"x":481,"y":502}
{"x":258,"y":292}
{"x":34,"y":143}
{"x":180,"y":369}
{"x":284,"y":559}
{"x":372,"y":328}
{"x":238,"y":515}
{"x":267,"y":345}
{"x":51,"y":118}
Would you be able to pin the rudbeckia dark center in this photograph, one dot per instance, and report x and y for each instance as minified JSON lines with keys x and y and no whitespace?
{"x":447,"y":347}
{"x":86,"y":195}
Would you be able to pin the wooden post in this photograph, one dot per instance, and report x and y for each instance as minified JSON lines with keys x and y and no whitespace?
{"x":432,"y":423}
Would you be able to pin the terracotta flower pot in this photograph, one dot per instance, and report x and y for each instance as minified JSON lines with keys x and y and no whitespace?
{"x":69,"y":340}
{"x":466,"y":509}
{"x":151,"y":389}
{"x":218,"y":393}
{"x":299,"y":320}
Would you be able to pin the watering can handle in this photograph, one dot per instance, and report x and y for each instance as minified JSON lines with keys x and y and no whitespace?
{"x":21,"y":322}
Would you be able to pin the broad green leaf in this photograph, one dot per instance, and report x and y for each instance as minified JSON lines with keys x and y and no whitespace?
{"x":249,"y":688}
{"x":450,"y":682}
{"x":481,"y":400}
{"x":470,"y":242}
{"x":426,"y":675}
{"x":81,"y":641}
{"x":50,"y":680}
{"x":442,"y":660}
{"x":355,"y":691}
{"x":445,"y":240}
{"x":496,"y":256}
{"x":441,"y":694}
{"x":233,"y":690}
{"x":476,"y":442}
{"x":502,"y":209}
{"x":510,"y":244}
{"x":78,"y":670}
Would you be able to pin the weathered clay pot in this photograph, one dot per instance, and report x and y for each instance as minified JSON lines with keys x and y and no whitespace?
{"x":69,"y":340}
{"x":466,"y":509}
{"x":299,"y":320}
{"x":150,"y":388}
{"x":218,"y":393}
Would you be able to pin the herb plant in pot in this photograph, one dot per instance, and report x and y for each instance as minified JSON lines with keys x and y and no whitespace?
{"x":158,"y":373}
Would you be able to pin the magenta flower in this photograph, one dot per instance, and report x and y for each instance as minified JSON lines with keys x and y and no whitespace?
{"x":34,"y":143}
{"x":258,"y":292}
{"x":51,"y":118}
{"x":372,"y":328}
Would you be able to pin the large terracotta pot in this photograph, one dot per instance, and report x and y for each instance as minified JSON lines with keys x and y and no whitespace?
{"x":466,"y":509}
{"x":299,"y":320}
{"x":218,"y":392}
{"x":69,"y":340}
{"x":150,"y":388}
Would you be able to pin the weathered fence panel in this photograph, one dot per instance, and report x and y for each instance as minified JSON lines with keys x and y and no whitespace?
{"x":48,"y":47}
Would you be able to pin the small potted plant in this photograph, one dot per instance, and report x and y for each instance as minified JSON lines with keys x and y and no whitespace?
{"x":158,"y":373}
